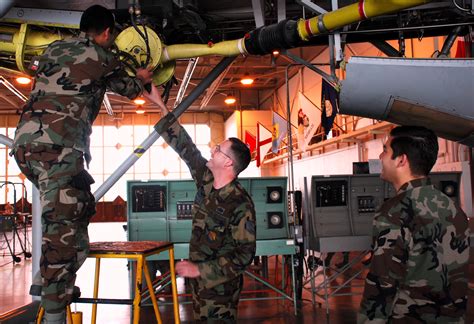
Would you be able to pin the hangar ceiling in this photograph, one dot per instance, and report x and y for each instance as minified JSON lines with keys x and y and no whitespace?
{"x":204,"y":21}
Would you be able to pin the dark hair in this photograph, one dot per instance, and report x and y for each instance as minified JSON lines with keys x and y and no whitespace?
{"x":240,"y":154}
{"x":96,"y":19}
{"x":420,"y":145}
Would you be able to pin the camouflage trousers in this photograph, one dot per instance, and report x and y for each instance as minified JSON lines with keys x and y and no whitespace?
{"x":217,"y":304}
{"x":67,"y":206}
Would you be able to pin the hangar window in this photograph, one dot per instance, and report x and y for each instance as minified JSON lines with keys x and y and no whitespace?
{"x":9,"y":171}
{"x":110,"y":146}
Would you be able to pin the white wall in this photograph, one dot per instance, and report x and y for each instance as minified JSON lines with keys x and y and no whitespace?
{"x":374,"y":148}
{"x":239,"y":122}
{"x":231,"y":126}
{"x":235,"y":125}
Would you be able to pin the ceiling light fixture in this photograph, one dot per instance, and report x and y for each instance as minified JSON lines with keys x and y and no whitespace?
{"x":230,"y":100}
{"x":139,"y":101}
{"x":275,"y":52}
{"x":140,"y":110}
{"x":12,"y":88}
{"x":23,"y":80}
{"x":246,"y":80}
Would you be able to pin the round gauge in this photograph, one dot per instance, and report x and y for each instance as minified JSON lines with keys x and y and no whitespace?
{"x":275,"y":220}
{"x":274,"y":195}
{"x":449,"y":190}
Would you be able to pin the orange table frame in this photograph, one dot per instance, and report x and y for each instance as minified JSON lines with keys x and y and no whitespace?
{"x":137,"y":251}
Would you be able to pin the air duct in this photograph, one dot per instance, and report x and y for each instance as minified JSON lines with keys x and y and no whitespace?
{"x":427,"y":92}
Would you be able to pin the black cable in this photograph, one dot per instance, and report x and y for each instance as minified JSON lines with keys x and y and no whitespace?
{"x":130,"y":57}
{"x":168,"y":85}
{"x":148,"y":51}
{"x":145,"y":38}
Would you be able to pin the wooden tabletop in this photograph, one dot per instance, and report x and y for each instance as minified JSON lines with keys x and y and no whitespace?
{"x":128,"y":247}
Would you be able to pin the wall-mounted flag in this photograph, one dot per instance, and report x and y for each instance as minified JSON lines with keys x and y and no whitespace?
{"x":264,"y":142}
{"x":329,"y":105}
{"x":251,"y":142}
{"x":280,"y":131}
{"x":309,"y":119}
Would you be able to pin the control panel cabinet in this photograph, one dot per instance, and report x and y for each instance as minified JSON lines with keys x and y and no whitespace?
{"x":345,"y":205}
{"x":162,"y":209}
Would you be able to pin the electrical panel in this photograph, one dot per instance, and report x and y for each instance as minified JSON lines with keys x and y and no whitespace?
{"x":148,"y":198}
{"x":366,"y":204}
{"x":345,"y":205}
{"x":331,"y":193}
{"x":162,"y":210}
{"x":184,"y":209}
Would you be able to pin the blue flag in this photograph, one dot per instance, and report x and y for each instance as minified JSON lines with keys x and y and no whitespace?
{"x":279,"y":131}
{"x":329,"y":105}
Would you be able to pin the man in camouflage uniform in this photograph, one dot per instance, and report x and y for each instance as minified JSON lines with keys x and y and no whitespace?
{"x":419,"y":267}
{"x":223,"y":231}
{"x":52,"y":141}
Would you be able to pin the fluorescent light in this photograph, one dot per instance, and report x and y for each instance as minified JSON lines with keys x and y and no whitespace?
{"x":23,"y":80}
{"x":246,"y":80}
{"x":139,"y":101}
{"x":230,"y":99}
{"x":139,"y":110}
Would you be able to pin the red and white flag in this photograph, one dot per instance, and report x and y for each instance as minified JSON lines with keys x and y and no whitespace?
{"x":251,"y":142}
{"x":264,"y":142}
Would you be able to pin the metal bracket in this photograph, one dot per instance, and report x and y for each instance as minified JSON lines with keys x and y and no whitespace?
{"x":338,"y":54}
{"x":329,"y":78}
{"x":20,"y":47}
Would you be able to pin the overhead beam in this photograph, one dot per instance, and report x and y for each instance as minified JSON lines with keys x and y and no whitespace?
{"x":213,"y":88}
{"x":12,"y":88}
{"x":386,"y":48}
{"x":311,"y":6}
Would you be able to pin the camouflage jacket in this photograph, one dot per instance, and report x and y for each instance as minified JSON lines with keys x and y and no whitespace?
{"x":70,"y":84}
{"x":223,"y":231}
{"x":419,"y":267}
